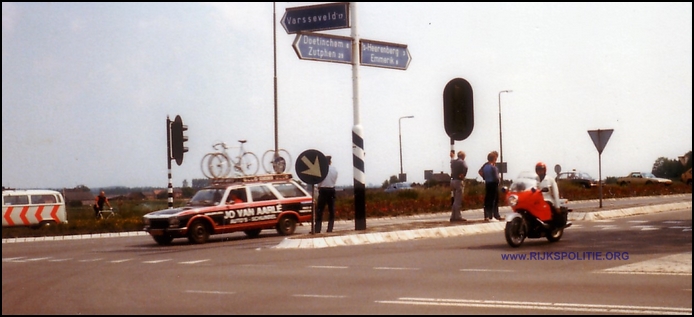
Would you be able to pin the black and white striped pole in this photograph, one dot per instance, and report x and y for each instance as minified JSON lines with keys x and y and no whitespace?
{"x":357,"y":133}
{"x":168,"y":160}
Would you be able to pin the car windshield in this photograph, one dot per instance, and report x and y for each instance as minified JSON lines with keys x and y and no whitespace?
{"x":648,"y":175}
{"x":207,"y":197}
{"x":524,"y":181}
{"x":584,"y":176}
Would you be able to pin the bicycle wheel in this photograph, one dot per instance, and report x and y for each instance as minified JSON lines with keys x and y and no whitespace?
{"x":283,"y":163}
{"x":247,"y":165}
{"x":204,"y":164}
{"x":218,"y":165}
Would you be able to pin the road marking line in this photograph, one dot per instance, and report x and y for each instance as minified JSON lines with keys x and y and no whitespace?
{"x":120,"y":261}
{"x":319,"y":296}
{"x":156,"y":261}
{"x":60,"y":260}
{"x":210,"y":292}
{"x":484,"y":270}
{"x":91,"y":260}
{"x":620,"y":309}
{"x":194,"y":262}
{"x":328,"y":267}
{"x":395,"y":268}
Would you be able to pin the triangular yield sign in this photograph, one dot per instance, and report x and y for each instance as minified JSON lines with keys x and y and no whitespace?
{"x":600,"y":138}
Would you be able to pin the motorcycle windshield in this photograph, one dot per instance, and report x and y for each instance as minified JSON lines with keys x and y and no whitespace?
{"x":524,"y":181}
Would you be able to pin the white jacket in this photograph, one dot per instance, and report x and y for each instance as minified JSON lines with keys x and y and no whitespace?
{"x":552,"y":195}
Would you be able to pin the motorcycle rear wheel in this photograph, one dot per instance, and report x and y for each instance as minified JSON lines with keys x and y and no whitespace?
{"x":515,"y":232}
{"x":554,"y":235}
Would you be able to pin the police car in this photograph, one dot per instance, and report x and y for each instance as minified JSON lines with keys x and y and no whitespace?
{"x":249,"y":204}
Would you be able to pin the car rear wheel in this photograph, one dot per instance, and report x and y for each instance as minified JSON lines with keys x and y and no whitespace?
{"x":286,"y":225}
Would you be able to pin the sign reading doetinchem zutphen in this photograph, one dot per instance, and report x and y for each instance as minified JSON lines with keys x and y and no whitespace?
{"x":322,"y":47}
{"x":381,"y":54}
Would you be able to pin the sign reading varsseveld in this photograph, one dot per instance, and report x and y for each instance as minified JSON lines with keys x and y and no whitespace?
{"x":316,"y":18}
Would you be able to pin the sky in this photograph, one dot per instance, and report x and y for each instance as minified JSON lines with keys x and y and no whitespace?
{"x":87,"y":88}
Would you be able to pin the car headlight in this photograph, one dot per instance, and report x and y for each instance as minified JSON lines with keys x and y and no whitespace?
{"x":174,"y":222}
{"x":512,"y":200}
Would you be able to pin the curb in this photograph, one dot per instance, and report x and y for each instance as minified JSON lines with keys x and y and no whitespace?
{"x":454,"y":231}
{"x":76,"y":237}
{"x":633,"y":211}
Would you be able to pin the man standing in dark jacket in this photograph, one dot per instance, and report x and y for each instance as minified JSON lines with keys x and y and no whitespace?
{"x":458,"y":173}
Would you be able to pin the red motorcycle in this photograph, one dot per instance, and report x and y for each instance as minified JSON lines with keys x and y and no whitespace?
{"x":532,"y":216}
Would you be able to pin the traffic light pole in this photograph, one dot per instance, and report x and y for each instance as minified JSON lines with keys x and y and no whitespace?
{"x":168,"y":160}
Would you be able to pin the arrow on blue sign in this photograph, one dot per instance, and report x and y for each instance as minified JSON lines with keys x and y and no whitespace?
{"x":324,"y":48}
{"x":312,"y":166}
{"x":381,"y":54}
{"x":316,"y":18}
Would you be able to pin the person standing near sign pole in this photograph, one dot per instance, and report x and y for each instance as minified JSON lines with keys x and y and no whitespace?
{"x":458,"y":173}
{"x":326,"y":195}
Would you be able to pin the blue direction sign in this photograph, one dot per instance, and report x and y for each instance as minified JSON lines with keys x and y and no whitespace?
{"x":381,"y":54}
{"x":312,"y":166}
{"x":316,"y":18}
{"x":322,"y":47}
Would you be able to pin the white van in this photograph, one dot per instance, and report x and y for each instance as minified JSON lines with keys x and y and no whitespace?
{"x":32,"y":208}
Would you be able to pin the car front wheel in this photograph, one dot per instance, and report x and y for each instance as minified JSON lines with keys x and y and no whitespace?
{"x":198,"y":232}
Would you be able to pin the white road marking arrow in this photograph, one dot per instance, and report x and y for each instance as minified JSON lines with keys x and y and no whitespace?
{"x":313,"y":168}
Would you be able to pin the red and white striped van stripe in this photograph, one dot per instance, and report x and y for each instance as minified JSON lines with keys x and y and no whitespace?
{"x":29,"y":215}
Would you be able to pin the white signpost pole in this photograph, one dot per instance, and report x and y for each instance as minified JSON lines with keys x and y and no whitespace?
{"x":600,"y":138}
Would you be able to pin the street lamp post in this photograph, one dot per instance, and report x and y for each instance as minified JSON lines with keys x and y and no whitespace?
{"x":501,"y":146}
{"x":400,"y":139}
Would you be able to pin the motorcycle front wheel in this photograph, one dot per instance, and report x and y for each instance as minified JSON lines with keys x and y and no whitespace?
{"x":515,"y":232}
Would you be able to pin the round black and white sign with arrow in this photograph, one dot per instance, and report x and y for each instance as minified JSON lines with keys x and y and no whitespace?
{"x":312,"y":166}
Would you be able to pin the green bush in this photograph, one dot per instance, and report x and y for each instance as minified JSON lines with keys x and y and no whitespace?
{"x":419,"y":200}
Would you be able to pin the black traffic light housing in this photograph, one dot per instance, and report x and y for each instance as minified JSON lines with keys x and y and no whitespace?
{"x":178,"y":139}
{"x":458,"y":114}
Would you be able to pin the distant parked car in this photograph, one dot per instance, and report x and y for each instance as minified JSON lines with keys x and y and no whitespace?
{"x":643,"y":178}
{"x":397,"y":186}
{"x":687,"y":177}
{"x":582,"y":179}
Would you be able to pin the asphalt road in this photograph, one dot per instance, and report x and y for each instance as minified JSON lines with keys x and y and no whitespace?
{"x":639,"y":264}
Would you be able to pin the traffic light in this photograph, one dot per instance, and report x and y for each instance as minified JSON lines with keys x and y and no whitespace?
{"x":458,"y":115}
{"x":178,"y":139}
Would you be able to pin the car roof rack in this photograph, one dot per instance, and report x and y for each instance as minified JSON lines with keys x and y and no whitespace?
{"x":252,"y":179}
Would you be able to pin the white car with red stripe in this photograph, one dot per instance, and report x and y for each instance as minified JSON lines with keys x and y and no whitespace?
{"x":32,"y":208}
{"x":249,"y":204}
